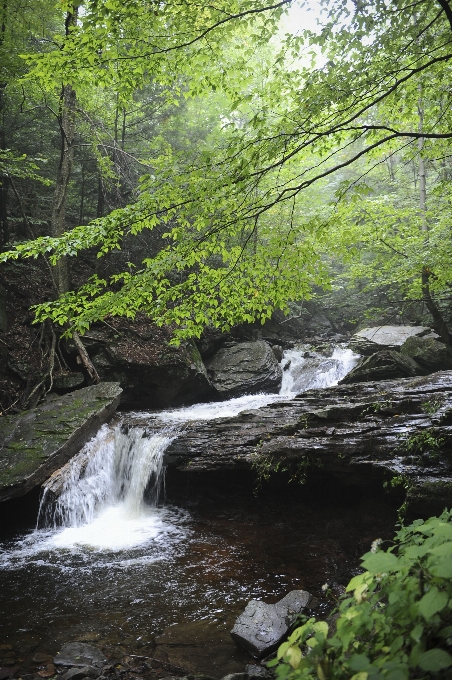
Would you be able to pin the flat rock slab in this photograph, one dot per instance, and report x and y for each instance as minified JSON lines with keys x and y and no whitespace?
{"x":77,"y":672}
{"x":262,"y":627}
{"x":392,"y":336}
{"x":35,"y":443}
{"x":79,"y":654}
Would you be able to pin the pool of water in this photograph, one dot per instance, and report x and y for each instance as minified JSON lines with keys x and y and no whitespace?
{"x":209,"y":547}
{"x":161,"y":567}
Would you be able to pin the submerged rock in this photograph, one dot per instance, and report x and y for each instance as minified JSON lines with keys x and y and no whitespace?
{"x":198,"y":647}
{"x":79,"y":654}
{"x":383,"y":365}
{"x":35,"y":443}
{"x":245,"y":368}
{"x":261,"y":627}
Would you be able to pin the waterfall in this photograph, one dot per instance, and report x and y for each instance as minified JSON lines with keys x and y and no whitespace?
{"x":104,"y":495}
{"x":307,"y":369}
{"x":114,"y":469}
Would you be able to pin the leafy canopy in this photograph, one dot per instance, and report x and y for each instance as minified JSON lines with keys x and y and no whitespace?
{"x":242,"y":215}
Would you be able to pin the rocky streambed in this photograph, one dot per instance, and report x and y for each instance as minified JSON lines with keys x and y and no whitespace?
{"x":155,"y":574}
{"x":399,"y":430}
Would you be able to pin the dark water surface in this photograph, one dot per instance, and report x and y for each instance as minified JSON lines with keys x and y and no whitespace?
{"x":216,"y":545}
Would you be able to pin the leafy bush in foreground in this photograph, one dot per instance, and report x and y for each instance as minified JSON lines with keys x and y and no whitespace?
{"x":397,"y":624}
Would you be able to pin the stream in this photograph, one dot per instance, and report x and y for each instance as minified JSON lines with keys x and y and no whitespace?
{"x":139,"y":560}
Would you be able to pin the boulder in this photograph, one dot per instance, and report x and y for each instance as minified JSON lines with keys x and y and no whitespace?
{"x":384,"y":365}
{"x":245,"y":368}
{"x":262,"y":627}
{"x":360,"y":434}
{"x":428,"y":353}
{"x":65,"y":382}
{"x":371,"y":340}
{"x":152,"y":373}
{"x":79,"y":654}
{"x":35,"y":443}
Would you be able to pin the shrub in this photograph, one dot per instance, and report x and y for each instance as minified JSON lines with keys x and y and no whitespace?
{"x":394,"y":621}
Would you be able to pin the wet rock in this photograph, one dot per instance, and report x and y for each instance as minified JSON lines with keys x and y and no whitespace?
{"x":6,"y":672}
{"x":64,"y":382}
{"x":79,"y":673}
{"x":371,"y":340}
{"x":245,"y":368}
{"x":255,"y":671}
{"x":79,"y":654}
{"x":42,"y":658}
{"x":261,"y":627}
{"x":152,"y":373}
{"x":428,"y":353}
{"x":383,"y":365}
{"x":35,"y":443}
{"x":358,"y":433}
{"x":48,"y":672}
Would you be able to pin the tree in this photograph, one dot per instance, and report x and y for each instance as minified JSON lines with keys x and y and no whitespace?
{"x":241,"y":235}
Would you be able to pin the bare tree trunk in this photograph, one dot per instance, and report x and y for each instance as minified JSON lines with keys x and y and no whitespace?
{"x":68,"y":99}
{"x":67,"y":127}
{"x":100,"y":198}
{"x":426,"y":275}
{"x":4,"y":181}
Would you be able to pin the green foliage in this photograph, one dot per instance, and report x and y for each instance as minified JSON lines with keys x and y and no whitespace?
{"x":21,"y":167}
{"x":432,"y":406}
{"x":423,"y":441}
{"x":285,"y":181}
{"x":394,"y":623}
{"x":267,"y":465}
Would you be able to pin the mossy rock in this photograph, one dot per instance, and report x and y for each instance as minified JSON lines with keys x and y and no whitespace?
{"x":35,"y":443}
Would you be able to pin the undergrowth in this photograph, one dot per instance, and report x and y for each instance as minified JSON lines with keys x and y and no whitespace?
{"x":394,"y":621}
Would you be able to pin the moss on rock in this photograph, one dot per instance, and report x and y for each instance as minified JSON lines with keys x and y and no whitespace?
{"x":35,"y":443}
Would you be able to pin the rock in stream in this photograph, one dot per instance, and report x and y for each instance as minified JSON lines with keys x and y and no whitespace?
{"x":35,"y":443}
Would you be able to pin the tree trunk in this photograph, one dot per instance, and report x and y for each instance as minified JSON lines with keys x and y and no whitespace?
{"x":67,"y":127}
{"x":4,"y":181}
{"x":438,"y":320}
{"x":68,"y":100}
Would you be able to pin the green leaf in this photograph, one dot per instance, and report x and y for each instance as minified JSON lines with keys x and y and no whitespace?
{"x":417,"y":632}
{"x":435,"y":660}
{"x":381,"y":562}
{"x":441,"y":567}
{"x":432,"y":602}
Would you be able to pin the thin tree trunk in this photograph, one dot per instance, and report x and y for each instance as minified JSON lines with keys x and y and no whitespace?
{"x":82,"y":197}
{"x":67,"y":127}
{"x":436,"y":315}
{"x":100,"y":198}
{"x":68,"y":101}
{"x":4,"y":227}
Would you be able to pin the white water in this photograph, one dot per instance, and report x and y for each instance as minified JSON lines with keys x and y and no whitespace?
{"x":107,"y":495}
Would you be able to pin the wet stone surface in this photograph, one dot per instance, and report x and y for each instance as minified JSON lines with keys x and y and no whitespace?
{"x":261,"y":627}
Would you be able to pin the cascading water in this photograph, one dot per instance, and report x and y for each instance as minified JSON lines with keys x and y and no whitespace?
{"x":112,"y":564}
{"x":100,"y":492}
